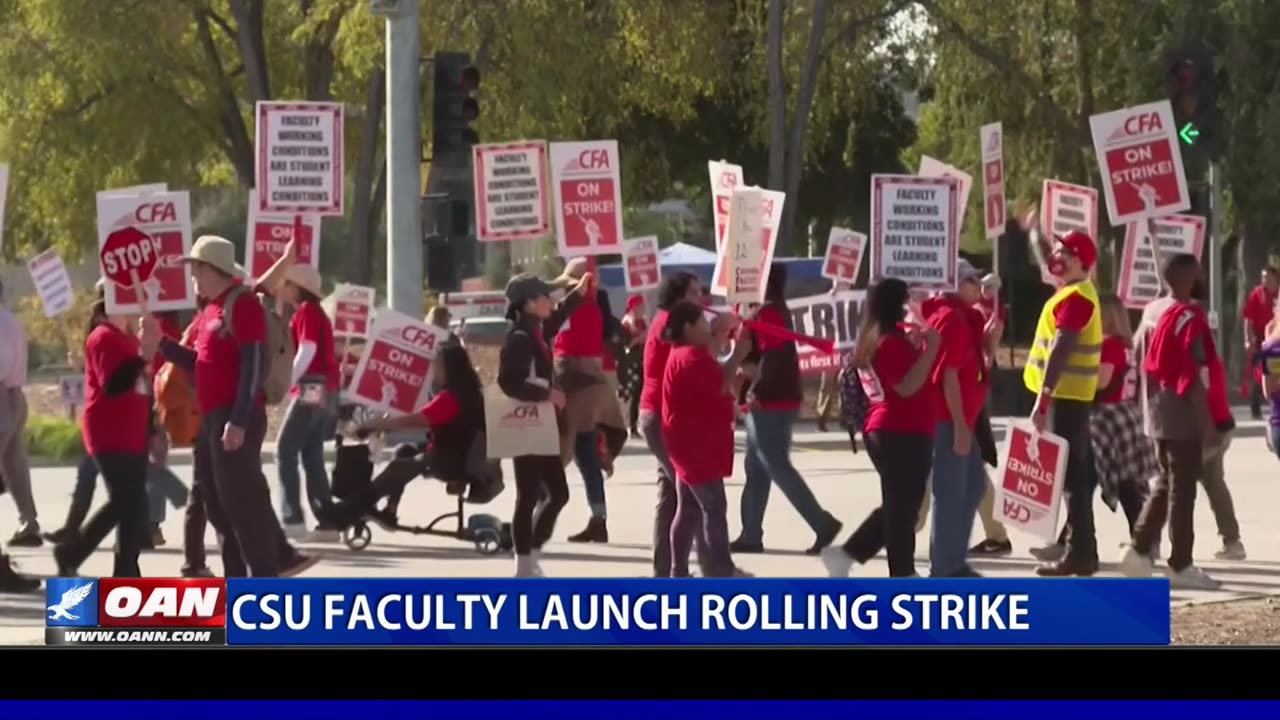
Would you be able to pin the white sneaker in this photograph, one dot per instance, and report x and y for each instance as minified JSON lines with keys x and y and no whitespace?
{"x":836,"y":561}
{"x":1191,"y":578}
{"x":1156,"y":552}
{"x":525,"y":567}
{"x":1231,"y":551}
{"x":536,"y":557}
{"x":1135,"y":565}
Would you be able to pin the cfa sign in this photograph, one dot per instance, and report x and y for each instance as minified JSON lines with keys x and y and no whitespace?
{"x":1141,"y":163}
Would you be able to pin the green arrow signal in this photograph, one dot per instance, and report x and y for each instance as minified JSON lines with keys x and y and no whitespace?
{"x":1189,"y":133}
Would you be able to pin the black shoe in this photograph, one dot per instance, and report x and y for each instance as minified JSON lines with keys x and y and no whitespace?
{"x":1069,"y":568}
{"x":742,"y":547}
{"x":596,"y":532}
{"x":27,"y":536}
{"x":13,"y":582}
{"x":63,"y":535}
{"x":298,"y":564}
{"x":822,"y":425}
{"x":635,"y":434}
{"x":65,"y":568}
{"x":825,"y":538}
{"x":197,"y":572}
{"x":992,"y":548}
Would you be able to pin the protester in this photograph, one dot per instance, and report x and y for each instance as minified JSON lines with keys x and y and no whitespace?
{"x":1270,"y":371}
{"x":195,"y":521}
{"x":1177,"y":364}
{"x":893,"y":368}
{"x":1258,"y":310}
{"x":439,"y":316}
{"x":228,"y":362}
{"x":116,"y":430}
{"x":610,"y":443}
{"x":526,"y":373}
{"x":960,"y":379}
{"x":14,"y":466}
{"x":774,"y":369}
{"x":995,"y":542}
{"x":676,"y":287}
{"x":631,"y":380}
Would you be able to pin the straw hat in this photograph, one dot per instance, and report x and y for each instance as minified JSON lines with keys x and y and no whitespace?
{"x":217,"y":252}
{"x":305,"y":277}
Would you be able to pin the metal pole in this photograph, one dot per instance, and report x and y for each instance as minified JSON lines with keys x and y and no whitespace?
{"x":404,"y":155}
{"x":1215,"y":250}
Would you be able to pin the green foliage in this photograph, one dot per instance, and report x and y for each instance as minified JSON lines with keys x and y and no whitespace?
{"x":54,"y":438}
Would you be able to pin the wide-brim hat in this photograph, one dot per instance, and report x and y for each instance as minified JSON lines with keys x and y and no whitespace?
{"x":217,"y":252}
{"x":305,"y":277}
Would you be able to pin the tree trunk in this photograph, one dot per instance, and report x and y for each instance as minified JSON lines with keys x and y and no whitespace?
{"x":363,"y":226}
{"x":251,"y":39}
{"x":777,"y":96}
{"x":238,"y":145}
{"x":795,"y":150}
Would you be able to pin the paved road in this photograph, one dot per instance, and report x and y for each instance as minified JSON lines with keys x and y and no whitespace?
{"x":845,"y":484}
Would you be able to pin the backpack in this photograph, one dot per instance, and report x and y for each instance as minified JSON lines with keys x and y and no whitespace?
{"x":277,"y":363}
{"x":854,"y":403}
{"x":176,"y":405}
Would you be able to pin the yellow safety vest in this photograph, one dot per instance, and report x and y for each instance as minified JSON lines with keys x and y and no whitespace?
{"x":1079,"y":379}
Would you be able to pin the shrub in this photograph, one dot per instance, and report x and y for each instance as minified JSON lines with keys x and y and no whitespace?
{"x":55,"y":438}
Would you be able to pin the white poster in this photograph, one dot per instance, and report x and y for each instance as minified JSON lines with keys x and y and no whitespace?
{"x":1140,"y":281}
{"x":587,"y":184}
{"x":725,"y":178}
{"x":915,"y":230}
{"x":843,"y":258}
{"x":53,"y":284}
{"x":991,"y":138}
{"x":511,"y":191}
{"x":640,"y":264}
{"x":829,"y":316}
{"x":929,"y":167}
{"x":165,"y":218}
{"x":743,"y":256}
{"x":299,"y":151}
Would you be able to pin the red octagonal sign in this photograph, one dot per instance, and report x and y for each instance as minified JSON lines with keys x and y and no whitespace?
{"x":127,"y":252}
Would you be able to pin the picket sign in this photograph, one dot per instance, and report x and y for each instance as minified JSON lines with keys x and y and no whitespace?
{"x":930,"y":167}
{"x":71,"y":388}
{"x":395,"y":367}
{"x":145,"y":234}
{"x":267,"y":235}
{"x":514,"y":428}
{"x":1145,"y":243}
{"x":53,"y":284}
{"x":587,"y":184}
{"x":843,"y":258}
{"x":641,"y":264}
{"x":829,"y":316}
{"x":725,"y":177}
{"x":1030,"y":480}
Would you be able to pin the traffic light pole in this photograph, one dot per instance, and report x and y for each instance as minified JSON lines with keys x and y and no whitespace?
{"x":1215,"y":249}
{"x":404,"y":155}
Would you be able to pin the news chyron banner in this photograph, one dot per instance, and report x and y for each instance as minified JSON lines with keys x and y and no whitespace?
{"x":616,"y":611}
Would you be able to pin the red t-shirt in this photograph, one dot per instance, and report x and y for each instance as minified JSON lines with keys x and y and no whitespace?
{"x":112,"y":423}
{"x":168,"y":328}
{"x":310,"y":324}
{"x":697,"y":416}
{"x":654,"y":363}
{"x":960,"y":348}
{"x":441,"y":409}
{"x":1259,"y":308}
{"x":582,"y":335}
{"x":1170,"y":356}
{"x":1116,"y":354}
{"x":218,"y":351}
{"x":890,"y":411}
{"x":1073,"y":313}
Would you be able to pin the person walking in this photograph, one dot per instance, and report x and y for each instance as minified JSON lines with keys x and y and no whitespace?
{"x":995,"y":537}
{"x":1178,"y":364}
{"x":14,"y":467}
{"x":116,"y":431}
{"x":893,"y":367}
{"x":1257,"y":312}
{"x":228,"y":362}
{"x":631,"y":373}
{"x":774,"y":369}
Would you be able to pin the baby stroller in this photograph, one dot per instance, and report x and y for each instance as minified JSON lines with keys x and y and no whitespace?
{"x":353,"y":479}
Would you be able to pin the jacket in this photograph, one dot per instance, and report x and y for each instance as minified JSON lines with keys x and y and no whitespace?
{"x":779,"y":381}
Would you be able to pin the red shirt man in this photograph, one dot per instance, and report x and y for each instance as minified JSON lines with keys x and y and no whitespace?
{"x":1259,"y":308}
{"x":959,"y":329}
{"x":218,"y":349}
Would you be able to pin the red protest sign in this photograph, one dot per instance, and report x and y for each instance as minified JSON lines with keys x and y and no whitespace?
{"x":588,"y":190}
{"x":991,"y":138}
{"x":1141,"y":162}
{"x":352,"y":309}
{"x":1031,"y":480}
{"x":725,"y":177}
{"x":128,"y":256}
{"x":268,"y":234}
{"x":165,"y":220}
{"x":395,"y":368}
{"x":844,"y":255}
{"x":640,"y":263}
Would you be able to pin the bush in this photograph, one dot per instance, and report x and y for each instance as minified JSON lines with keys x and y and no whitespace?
{"x":49,"y":339}
{"x":55,"y":438}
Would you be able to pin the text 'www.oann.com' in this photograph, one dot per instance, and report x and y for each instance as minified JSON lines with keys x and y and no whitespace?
{"x":134,"y":636}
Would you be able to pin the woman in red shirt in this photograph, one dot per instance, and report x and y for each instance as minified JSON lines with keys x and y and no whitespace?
{"x":116,"y":427}
{"x":632,"y":376}
{"x":893,"y":361}
{"x":697,"y":426}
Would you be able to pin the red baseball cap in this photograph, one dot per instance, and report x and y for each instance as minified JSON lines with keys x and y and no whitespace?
{"x":633,"y":302}
{"x":1080,"y":245}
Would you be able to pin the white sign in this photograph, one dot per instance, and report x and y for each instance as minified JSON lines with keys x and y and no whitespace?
{"x":149,"y":189}
{"x":299,"y":168}
{"x":1141,"y":162}
{"x":166,"y":219}
{"x":771,"y":211}
{"x":743,"y":256}
{"x":511,"y":191}
{"x":830,"y":316}
{"x":640,"y":264}
{"x":395,"y":367}
{"x":843,"y":258}
{"x":1140,"y":281}
{"x":71,"y":388}
{"x":991,"y":138}
{"x":53,"y":284}
{"x":915,"y":230}
{"x":929,"y":167}
{"x":588,"y":191}
{"x":725,"y":177}
{"x":352,"y":310}
{"x":469,"y":305}
{"x":4,"y":190}
{"x":1064,"y":207}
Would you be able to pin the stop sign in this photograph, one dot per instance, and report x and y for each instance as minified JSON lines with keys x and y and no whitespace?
{"x":127,"y":252}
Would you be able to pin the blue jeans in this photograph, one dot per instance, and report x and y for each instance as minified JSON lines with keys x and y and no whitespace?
{"x":587,"y":458}
{"x":162,"y":487}
{"x":958,"y":485}
{"x":768,"y":461}
{"x":302,"y":436}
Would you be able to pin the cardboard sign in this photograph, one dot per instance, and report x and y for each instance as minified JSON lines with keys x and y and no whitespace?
{"x":742,"y":267}
{"x":640,"y":263}
{"x":1140,"y":281}
{"x":991,"y":139}
{"x":53,"y":284}
{"x":71,"y":388}
{"x":843,"y":258}
{"x":395,"y":369}
{"x":511,"y":191}
{"x":1141,"y":162}
{"x":1030,"y":480}
{"x":166,"y":219}
{"x":915,"y":230}
{"x":830,"y":316}
{"x":468,"y":305}
{"x":1065,"y":207}
{"x":588,"y":190}
{"x":352,"y":310}
{"x":299,"y":168}
{"x":725,"y":178}
{"x":930,"y":167}
{"x":4,"y":191}
{"x":267,"y":235}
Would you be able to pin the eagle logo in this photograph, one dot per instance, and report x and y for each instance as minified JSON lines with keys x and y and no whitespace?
{"x":70,"y":600}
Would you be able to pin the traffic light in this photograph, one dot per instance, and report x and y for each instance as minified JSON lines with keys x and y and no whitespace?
{"x":453,"y":107}
{"x":1193,"y":92}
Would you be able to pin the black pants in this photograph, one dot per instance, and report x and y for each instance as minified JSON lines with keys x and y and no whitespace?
{"x":1131,"y":498}
{"x":1181,"y":464}
{"x":540,"y":487}
{"x":408,"y":464}
{"x":1070,"y":420}
{"x":904,"y":461}
{"x":125,"y":475}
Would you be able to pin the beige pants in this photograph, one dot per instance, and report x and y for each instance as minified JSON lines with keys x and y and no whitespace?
{"x":992,"y":529}
{"x":14,"y":467}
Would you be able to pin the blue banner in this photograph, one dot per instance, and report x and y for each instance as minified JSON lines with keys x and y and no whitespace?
{"x":384,"y":611}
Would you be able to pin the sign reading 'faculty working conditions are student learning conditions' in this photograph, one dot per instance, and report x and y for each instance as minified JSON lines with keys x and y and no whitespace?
{"x":915,"y":230}
{"x":299,"y":164}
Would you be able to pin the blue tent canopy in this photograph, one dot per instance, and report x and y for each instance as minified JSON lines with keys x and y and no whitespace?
{"x":702,"y":262}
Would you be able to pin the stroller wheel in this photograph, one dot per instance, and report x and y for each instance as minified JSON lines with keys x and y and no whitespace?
{"x":488,"y":541}
{"x":357,"y":537}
